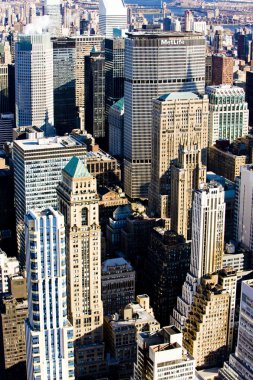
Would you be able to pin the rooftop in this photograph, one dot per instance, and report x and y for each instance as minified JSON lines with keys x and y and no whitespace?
{"x":115,"y":264}
{"x":47,"y":143}
{"x":76,"y":169}
{"x":179,"y":96}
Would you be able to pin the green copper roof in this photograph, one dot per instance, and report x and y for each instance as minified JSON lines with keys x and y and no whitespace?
{"x":179,"y":96}
{"x":76,"y":169}
{"x":119,"y":105}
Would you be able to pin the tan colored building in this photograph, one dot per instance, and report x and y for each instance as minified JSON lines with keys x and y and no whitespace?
{"x":78,"y":202}
{"x":13,"y":312}
{"x":208,"y":330}
{"x":178,"y":119}
{"x":225,"y":163}
{"x":222,"y":70}
{"x":121,"y":332}
{"x":186,"y":175}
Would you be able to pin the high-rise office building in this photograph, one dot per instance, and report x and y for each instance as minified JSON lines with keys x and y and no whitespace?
{"x":4,"y":88}
{"x":78,"y":201}
{"x":228,"y":113}
{"x":13,"y":312}
{"x":178,"y":118}
{"x":7,"y":124}
{"x":160,"y":354}
{"x":155,"y":64}
{"x":114,"y":71}
{"x":34,"y":80}
{"x":243,"y":226}
{"x":244,"y":46}
{"x":116,"y":128}
{"x":111,"y":15}
{"x":240,"y":363}
{"x":207,"y":245}
{"x":188,"y":21}
{"x":222,"y":70}
{"x":49,"y":334}
{"x":95,"y":93}
{"x":187,"y":174}
{"x":209,"y":327}
{"x":167,"y":263}
{"x":249,"y":94}
{"x":52,"y":8}
{"x":37,"y":171}
{"x":64,"y":56}
{"x":84,"y":44}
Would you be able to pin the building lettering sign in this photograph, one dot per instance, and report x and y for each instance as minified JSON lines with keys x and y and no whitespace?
{"x":172,"y":42}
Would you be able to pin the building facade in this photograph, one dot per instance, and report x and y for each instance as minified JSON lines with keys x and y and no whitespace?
{"x":64,"y":57}
{"x":118,"y":285}
{"x":178,"y":119}
{"x":111,"y":15}
{"x":243,"y":203}
{"x":240,"y":364}
{"x":34,"y":80}
{"x":161,"y":354}
{"x":207,"y":245}
{"x":222,"y":70}
{"x":228,"y":113}
{"x":78,"y":202}
{"x":187,"y":174}
{"x":167,"y":263}
{"x":9,"y":266}
{"x":116,"y":129}
{"x":13,"y":312}
{"x":49,"y":335}
{"x":52,"y":8}
{"x":95,"y":93}
{"x":37,"y":172}
{"x":181,"y":61}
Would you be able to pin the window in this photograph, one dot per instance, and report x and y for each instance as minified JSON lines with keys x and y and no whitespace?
{"x":84,"y":216}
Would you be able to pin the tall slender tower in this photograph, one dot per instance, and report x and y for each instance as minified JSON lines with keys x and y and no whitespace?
{"x":78,"y":201}
{"x":207,"y":246}
{"x":49,"y":335}
{"x":186,"y":175}
{"x":34,"y":80}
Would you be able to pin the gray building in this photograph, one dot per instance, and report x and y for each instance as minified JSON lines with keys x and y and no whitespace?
{"x":95,"y":93}
{"x":114,"y":70}
{"x":118,"y":284}
{"x":116,"y":128}
{"x":64,"y":57}
{"x":155,"y":64}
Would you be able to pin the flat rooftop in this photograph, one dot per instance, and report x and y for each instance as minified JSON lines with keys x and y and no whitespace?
{"x":47,"y":143}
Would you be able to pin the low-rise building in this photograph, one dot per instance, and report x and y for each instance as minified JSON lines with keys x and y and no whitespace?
{"x":9,"y":266}
{"x":161,"y":355}
{"x":121,"y":331}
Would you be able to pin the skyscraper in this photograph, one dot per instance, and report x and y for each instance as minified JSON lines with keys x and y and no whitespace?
{"x":64,"y":56}
{"x":187,"y":174}
{"x":228,"y":113}
{"x":222,"y":69}
{"x":37,"y":171}
{"x":111,"y":15}
{"x":178,"y":119}
{"x":34,"y":80}
{"x":49,"y":335}
{"x":240,"y":363}
{"x":207,"y":245}
{"x":243,"y":227}
{"x":78,"y":201}
{"x":155,"y":64}
{"x":114,"y":71}
{"x":95,"y":93}
{"x":52,"y":8}
{"x":84,"y":44}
